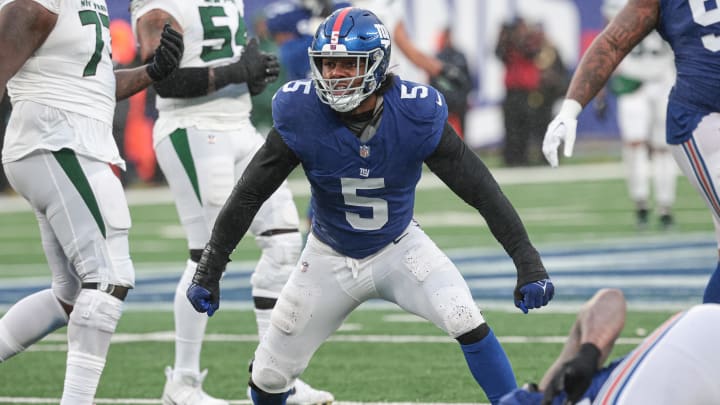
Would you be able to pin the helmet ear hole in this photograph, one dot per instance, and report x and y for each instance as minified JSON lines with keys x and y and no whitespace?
{"x":350,"y":32}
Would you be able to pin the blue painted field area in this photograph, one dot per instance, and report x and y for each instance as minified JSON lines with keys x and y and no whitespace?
{"x":665,"y":273}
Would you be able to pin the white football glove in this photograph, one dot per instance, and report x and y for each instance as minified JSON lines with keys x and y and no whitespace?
{"x":562,"y":129}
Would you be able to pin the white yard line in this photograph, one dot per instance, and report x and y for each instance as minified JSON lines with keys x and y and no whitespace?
{"x":169,"y":337}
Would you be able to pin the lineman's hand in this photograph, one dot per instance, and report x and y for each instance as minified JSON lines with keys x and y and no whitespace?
{"x":272,"y":69}
{"x":168,"y":55}
{"x":533,"y":295}
{"x":575,"y":376}
{"x":561,"y":130}
{"x":204,"y":291}
{"x":257,"y":68}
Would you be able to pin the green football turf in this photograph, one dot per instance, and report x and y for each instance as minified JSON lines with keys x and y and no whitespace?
{"x":415,"y":371}
{"x":555,"y":214}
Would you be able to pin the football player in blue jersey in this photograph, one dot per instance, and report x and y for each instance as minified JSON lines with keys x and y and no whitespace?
{"x":288,"y":23}
{"x":361,"y":136}
{"x":692,"y":28}
{"x":675,"y":364}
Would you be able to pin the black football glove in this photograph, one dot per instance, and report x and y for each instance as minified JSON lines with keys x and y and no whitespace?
{"x":256,"y":68}
{"x":167,"y":56}
{"x":575,"y":376}
{"x":204,"y":291}
{"x":272,"y":66}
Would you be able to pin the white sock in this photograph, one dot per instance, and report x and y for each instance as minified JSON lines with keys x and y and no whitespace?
{"x":665,"y":172}
{"x":638,"y":172}
{"x":189,"y":328}
{"x":28,"y":321}
{"x":81,"y":378}
{"x":92,"y":324}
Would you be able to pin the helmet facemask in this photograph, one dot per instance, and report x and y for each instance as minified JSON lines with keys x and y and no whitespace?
{"x":349,"y":33}
{"x":346,"y":93}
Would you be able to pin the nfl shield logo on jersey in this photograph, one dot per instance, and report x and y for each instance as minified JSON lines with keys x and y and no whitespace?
{"x":364,"y":151}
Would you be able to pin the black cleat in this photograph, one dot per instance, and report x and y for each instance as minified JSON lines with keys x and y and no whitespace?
{"x":641,"y":219}
{"x":666,"y":222}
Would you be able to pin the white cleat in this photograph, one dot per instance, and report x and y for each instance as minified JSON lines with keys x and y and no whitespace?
{"x":187,"y":390}
{"x":304,"y":394}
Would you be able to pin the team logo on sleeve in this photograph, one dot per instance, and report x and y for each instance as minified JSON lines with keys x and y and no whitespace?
{"x":364,"y":151}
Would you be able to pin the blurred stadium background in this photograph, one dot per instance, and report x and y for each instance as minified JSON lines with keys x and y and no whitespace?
{"x":578,"y":215}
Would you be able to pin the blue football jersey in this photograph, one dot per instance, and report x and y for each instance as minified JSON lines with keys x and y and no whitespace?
{"x":294,"y":58}
{"x":363,"y":193}
{"x":692,"y":28}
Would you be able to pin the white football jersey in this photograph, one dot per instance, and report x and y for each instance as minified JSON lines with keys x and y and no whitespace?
{"x":64,"y":94}
{"x":651,"y":59}
{"x":73,"y":69}
{"x":214,"y":34}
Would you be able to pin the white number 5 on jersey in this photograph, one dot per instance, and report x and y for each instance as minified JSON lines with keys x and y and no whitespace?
{"x":378,"y":206}
{"x":706,"y":17}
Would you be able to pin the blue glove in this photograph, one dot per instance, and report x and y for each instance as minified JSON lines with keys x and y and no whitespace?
{"x":534,"y":295}
{"x":204,"y":291}
{"x":202,"y":300}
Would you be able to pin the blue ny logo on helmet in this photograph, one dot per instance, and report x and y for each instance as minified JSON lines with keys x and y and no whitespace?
{"x":350,"y":33}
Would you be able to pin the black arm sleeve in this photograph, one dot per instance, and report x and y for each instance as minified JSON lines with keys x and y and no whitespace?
{"x":468,"y":177}
{"x":184,"y":83}
{"x":272,"y":164}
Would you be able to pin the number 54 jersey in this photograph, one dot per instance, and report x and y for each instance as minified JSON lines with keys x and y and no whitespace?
{"x":363,"y":192}
{"x":214,"y":34}
{"x":72,"y":70}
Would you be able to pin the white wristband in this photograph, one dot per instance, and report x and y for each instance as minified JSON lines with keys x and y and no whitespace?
{"x":570,"y":109}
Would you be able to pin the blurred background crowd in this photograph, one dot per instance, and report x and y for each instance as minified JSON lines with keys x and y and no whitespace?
{"x":502,"y":66}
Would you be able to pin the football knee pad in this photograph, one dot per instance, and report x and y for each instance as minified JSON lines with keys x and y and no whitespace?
{"x":92,"y":322}
{"x":273,"y":374}
{"x":280,"y":254}
{"x":271,"y":381}
{"x":458,"y":314}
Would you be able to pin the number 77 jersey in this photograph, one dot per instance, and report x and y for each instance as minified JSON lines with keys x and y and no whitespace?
{"x":363,"y":189}
{"x":72,"y":70}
